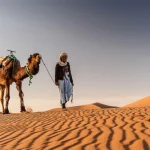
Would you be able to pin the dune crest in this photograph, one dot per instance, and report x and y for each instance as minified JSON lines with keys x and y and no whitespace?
{"x":145,"y":102}
{"x":89,"y":106}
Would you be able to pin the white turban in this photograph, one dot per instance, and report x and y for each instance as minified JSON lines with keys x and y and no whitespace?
{"x":62,"y":54}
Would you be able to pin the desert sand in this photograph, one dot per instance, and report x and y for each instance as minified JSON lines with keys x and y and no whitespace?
{"x":89,"y":127}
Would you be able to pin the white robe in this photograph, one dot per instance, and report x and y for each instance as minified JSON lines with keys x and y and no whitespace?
{"x":65,"y":88}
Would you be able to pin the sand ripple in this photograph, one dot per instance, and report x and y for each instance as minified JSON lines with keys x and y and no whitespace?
{"x":86,"y":129}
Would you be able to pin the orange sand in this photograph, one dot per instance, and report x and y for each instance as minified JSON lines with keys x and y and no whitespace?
{"x":86,"y":128}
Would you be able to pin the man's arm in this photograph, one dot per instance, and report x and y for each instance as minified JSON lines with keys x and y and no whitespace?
{"x":56,"y":74}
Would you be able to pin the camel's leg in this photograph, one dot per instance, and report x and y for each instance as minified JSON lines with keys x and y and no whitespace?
{"x":19,"y":88}
{"x":2,"y":89}
{"x":7,"y":97}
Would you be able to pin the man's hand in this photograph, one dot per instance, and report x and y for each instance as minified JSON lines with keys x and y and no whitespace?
{"x":56,"y":83}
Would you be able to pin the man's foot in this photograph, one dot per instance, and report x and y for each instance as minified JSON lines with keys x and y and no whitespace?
{"x":64,"y":107}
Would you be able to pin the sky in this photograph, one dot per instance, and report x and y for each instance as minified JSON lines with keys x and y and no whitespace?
{"x":107,"y":42}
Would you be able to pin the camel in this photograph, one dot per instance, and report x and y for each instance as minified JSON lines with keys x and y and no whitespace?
{"x":17,"y":74}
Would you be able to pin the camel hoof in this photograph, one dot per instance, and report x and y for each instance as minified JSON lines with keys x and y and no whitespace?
{"x":23,"y":109}
{"x":6,"y":111}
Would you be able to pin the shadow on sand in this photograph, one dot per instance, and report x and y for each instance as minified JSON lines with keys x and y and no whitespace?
{"x":103,"y":105}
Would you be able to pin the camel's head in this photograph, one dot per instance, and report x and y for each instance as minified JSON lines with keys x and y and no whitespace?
{"x":33,"y":62}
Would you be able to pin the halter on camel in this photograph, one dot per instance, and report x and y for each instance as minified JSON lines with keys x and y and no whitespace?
{"x":29,"y":74}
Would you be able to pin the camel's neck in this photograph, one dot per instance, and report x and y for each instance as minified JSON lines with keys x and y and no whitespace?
{"x":21,"y":74}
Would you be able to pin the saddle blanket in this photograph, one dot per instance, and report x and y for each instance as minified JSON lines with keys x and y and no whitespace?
{"x":4,"y":61}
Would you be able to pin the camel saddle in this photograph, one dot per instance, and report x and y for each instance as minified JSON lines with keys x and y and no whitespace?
{"x":4,"y":61}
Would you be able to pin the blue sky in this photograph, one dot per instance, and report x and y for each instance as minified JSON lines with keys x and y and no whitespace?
{"x":107,"y":43}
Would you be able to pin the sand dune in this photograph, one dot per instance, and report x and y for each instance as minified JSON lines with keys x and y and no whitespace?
{"x":145,"y":102}
{"x":89,"y":106}
{"x":80,"y":129}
